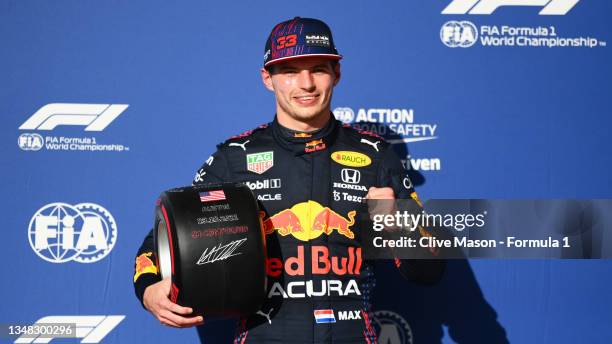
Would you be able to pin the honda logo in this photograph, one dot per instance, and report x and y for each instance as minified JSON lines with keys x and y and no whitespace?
{"x":351,"y":176}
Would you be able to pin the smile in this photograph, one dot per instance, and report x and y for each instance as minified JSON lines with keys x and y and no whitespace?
{"x":306,"y":100}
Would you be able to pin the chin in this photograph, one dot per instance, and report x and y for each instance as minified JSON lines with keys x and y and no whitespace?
{"x":309,"y":117}
{"x":306,"y":115}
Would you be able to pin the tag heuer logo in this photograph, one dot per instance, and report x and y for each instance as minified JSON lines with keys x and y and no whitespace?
{"x":260,"y":162}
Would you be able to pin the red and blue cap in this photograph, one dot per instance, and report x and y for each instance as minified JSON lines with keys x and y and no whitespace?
{"x":299,"y":37}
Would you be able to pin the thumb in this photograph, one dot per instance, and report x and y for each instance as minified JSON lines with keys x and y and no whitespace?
{"x":369,"y":194}
{"x":165,"y":285}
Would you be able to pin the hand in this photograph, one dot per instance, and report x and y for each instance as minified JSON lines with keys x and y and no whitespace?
{"x":156,"y":300}
{"x":380,"y":193}
{"x":386,"y":207}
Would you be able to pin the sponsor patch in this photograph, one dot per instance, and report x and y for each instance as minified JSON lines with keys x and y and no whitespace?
{"x":351,"y":159}
{"x":260,"y":162}
{"x":350,"y":176}
{"x":144,"y":265}
{"x":308,"y":220}
{"x":270,"y":197}
{"x":264,"y":184}
{"x":317,"y":40}
{"x":314,"y":145}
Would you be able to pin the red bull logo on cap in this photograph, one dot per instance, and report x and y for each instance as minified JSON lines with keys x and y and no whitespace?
{"x":308,"y":220}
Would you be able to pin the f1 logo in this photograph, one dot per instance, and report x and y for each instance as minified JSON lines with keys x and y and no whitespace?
{"x":95,"y":116}
{"x":350,"y":176}
{"x":551,"y":7}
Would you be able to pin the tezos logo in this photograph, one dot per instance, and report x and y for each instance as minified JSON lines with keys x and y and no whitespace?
{"x":60,"y":232}
{"x":392,"y":328}
{"x":551,"y":7}
{"x":458,"y":34}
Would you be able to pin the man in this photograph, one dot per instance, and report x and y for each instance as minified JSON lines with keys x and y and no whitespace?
{"x":321,"y":170}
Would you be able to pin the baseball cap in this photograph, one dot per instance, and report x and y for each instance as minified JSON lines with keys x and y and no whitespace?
{"x":299,"y":37}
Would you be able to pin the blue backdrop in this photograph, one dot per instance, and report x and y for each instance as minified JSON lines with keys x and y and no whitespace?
{"x":507,"y":104}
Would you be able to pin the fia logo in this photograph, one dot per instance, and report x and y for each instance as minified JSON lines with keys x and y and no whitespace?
{"x":344,"y":114}
{"x":60,"y":232}
{"x":458,"y":34}
{"x":30,"y":142}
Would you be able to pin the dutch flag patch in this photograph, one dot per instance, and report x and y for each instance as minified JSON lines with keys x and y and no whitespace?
{"x":323,"y":316}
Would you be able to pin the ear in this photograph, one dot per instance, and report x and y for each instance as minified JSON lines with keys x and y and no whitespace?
{"x":266,"y":78}
{"x":338,"y":74}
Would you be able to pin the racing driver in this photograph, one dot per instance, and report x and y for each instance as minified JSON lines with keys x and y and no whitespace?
{"x":308,"y":171}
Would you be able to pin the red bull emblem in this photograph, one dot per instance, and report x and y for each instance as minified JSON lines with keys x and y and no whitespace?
{"x":144,"y":265}
{"x":314,"y":145}
{"x":308,"y":220}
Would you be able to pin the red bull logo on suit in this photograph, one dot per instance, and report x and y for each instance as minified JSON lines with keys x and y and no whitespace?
{"x":307,"y":221}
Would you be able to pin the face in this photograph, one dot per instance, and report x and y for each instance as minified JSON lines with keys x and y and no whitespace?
{"x":303,"y":88}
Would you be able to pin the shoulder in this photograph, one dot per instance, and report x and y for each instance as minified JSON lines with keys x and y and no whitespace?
{"x":365,"y":141}
{"x":220,"y":166}
{"x":248,"y":137}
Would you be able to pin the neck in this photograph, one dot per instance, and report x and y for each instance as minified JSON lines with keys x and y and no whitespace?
{"x":312,"y":124}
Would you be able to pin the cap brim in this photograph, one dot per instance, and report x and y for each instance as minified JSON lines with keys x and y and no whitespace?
{"x":329,"y":56}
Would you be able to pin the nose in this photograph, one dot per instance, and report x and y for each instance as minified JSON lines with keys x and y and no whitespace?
{"x":305,"y":81}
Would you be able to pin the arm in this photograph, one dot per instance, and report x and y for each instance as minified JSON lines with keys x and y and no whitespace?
{"x":153,"y":292}
{"x":395,"y":183}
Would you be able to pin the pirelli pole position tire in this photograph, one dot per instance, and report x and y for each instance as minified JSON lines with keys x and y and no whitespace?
{"x":209,"y":240}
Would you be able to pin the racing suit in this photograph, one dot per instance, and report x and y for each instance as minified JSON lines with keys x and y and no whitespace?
{"x":319,"y":285}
